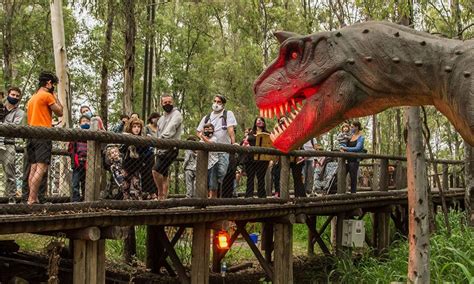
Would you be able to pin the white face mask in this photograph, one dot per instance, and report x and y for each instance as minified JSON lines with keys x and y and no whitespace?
{"x":217,"y":107}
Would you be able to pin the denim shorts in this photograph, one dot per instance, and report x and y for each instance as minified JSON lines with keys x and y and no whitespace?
{"x":217,"y":173}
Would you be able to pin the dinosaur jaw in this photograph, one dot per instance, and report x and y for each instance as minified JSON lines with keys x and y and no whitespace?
{"x":300,"y":116}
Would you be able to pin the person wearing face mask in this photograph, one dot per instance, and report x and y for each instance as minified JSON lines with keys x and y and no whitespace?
{"x":86,"y":110}
{"x":224,"y":123}
{"x":169,"y":127}
{"x":78,"y":152}
{"x":40,"y":109}
{"x":10,"y":113}
{"x":256,"y":168}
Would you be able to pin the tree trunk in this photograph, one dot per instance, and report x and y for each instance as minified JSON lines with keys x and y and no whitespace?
{"x":104,"y":73}
{"x":418,"y":220}
{"x":399,"y":132}
{"x":9,"y":8}
{"x":129,"y":65}
{"x":60,"y":59}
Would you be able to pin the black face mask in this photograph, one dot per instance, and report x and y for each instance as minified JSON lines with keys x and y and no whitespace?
{"x":168,"y":108}
{"x":208,"y":133}
{"x":51,"y":90}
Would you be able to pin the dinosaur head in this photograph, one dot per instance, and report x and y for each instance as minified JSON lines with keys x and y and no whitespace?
{"x":294,"y":86}
{"x":319,"y":80}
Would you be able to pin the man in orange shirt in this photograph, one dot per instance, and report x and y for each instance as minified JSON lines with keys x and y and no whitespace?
{"x":40,"y":108}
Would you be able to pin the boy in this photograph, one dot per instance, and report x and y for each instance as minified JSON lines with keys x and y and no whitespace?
{"x":208,"y":137}
{"x":78,"y":151}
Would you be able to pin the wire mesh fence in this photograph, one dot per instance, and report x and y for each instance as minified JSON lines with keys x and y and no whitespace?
{"x":136,"y":168}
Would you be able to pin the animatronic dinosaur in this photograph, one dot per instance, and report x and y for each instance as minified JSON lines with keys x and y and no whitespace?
{"x":322,"y":79}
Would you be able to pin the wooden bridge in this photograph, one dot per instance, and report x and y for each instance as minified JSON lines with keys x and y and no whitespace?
{"x":88,"y":224}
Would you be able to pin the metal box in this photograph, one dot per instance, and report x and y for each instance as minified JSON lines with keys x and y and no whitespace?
{"x":353,"y":233}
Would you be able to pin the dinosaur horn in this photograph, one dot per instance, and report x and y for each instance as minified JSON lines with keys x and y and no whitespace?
{"x":282,"y":35}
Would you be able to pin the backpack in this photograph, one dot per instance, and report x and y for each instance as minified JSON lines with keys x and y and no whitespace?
{"x":224,"y":119}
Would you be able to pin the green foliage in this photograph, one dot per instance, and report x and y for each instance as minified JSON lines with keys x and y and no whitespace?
{"x":451,"y":259}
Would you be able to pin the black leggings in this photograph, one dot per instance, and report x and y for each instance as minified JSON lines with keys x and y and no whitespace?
{"x":259,"y":169}
{"x":353,"y":169}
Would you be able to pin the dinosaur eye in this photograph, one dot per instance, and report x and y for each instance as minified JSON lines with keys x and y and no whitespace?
{"x":294,"y":55}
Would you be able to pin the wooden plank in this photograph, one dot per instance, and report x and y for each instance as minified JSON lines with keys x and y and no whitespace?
{"x":265,"y":265}
{"x":87,"y":234}
{"x":79,"y":262}
{"x":283,"y":264}
{"x":285,"y":178}
{"x":200,"y":254}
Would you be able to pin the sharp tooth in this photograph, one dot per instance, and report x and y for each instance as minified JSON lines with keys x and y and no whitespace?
{"x":287,"y":123}
{"x":282,"y":112}
{"x":293,"y":102}
{"x":281,"y":128}
{"x":292,"y":115}
{"x":272,"y":137}
{"x":275,"y":111}
{"x":261,"y":113}
{"x":266,"y":113}
{"x":286,"y":108}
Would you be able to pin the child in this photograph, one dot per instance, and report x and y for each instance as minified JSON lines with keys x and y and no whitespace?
{"x":208,"y":137}
{"x":132,"y":162}
{"x":114,"y":163}
{"x":344,"y":136}
{"x":78,"y":151}
{"x":189,"y":165}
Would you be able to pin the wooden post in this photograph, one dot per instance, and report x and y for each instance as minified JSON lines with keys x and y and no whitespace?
{"x":341,"y":176}
{"x":89,"y":256}
{"x":445,"y":174}
{"x":285,"y":177}
{"x":336,"y":223}
{"x":201,"y":234}
{"x":418,"y":211}
{"x":311,"y":223}
{"x":283,"y":254}
{"x":79,"y":262}
{"x":381,"y":231}
{"x":153,"y":249}
{"x":94,"y":167}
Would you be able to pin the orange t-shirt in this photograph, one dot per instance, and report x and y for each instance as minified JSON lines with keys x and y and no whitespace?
{"x":39,"y":113}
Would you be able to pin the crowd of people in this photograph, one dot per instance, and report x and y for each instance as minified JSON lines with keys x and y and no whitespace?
{"x":142,"y":172}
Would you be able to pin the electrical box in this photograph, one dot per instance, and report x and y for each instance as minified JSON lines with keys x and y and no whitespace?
{"x":353,"y":233}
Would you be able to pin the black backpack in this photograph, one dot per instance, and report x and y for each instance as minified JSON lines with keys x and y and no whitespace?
{"x":224,"y":119}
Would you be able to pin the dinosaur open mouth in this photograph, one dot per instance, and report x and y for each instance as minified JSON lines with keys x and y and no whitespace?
{"x":293,"y":109}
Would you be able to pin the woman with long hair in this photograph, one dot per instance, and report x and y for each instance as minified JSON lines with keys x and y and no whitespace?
{"x":355,"y":145}
{"x":256,"y":167}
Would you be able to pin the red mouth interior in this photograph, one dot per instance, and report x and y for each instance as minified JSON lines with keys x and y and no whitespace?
{"x":293,"y":109}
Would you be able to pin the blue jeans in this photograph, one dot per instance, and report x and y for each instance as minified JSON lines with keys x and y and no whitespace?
{"x":222,"y":165}
{"x":78,"y":183}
